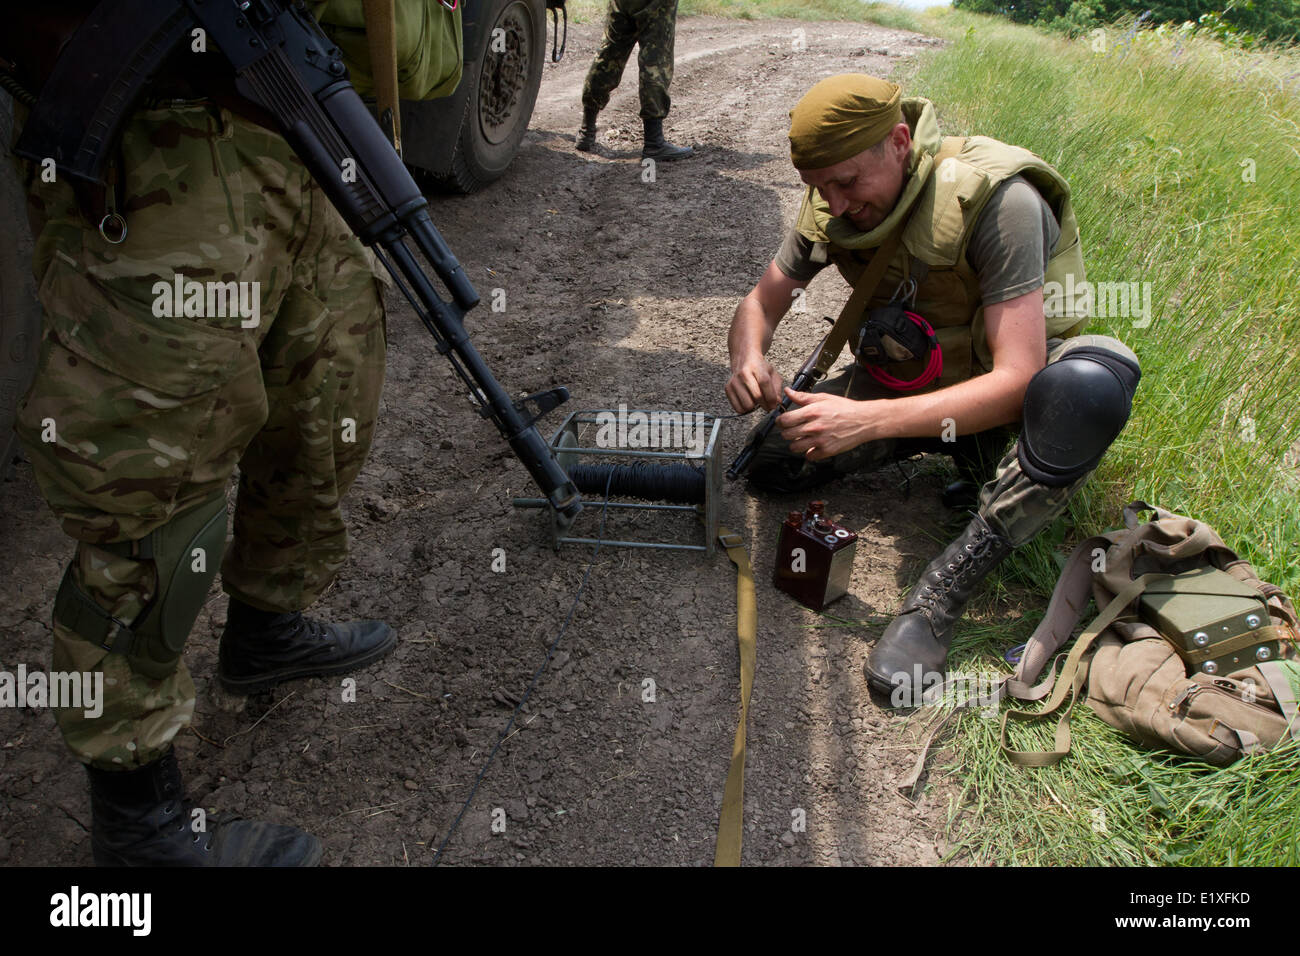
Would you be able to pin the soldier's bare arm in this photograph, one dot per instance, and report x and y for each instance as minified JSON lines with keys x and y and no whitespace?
{"x":826,"y":425}
{"x":753,"y":380}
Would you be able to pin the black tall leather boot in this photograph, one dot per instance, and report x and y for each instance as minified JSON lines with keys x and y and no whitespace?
{"x":586,"y":140}
{"x":259,"y":649}
{"x":142,"y":818}
{"x":921,"y":634}
{"x":658,"y":148}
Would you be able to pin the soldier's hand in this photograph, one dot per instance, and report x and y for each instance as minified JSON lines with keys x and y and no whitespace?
{"x":754,"y":382}
{"x":821,"y":425}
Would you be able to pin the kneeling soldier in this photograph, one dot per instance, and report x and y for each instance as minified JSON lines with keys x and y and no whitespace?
{"x":983,"y":238}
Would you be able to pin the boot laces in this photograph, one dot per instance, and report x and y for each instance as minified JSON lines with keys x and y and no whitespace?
{"x":185,"y":813}
{"x":954,"y":572}
{"x":316,"y":631}
{"x":309,"y":628}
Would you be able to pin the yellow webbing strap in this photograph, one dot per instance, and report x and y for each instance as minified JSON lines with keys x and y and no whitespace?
{"x":733,"y":798}
{"x":381,"y":35}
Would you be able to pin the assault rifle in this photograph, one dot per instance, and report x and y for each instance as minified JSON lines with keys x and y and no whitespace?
{"x":285,"y":65}
{"x":808,"y":375}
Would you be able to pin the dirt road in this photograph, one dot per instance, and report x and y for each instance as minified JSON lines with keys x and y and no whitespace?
{"x":622,"y":290}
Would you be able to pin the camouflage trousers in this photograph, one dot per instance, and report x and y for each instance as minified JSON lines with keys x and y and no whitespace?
{"x":652,"y":26}
{"x":1014,"y":505}
{"x":151,"y":388}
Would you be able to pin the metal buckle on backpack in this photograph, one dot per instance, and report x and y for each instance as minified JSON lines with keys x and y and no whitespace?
{"x":1187,"y":691}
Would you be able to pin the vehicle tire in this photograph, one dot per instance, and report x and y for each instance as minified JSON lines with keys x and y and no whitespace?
{"x":20,"y":313}
{"x":499,"y":89}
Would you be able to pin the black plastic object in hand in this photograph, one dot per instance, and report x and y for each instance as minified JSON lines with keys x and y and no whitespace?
{"x":807,"y":377}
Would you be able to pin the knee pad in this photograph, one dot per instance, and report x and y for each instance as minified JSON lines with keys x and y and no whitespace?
{"x":1074,"y":408}
{"x":186,"y":553}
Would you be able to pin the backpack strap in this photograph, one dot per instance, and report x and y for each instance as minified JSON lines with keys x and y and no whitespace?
{"x":1280,"y":676}
{"x":1069,"y":600}
{"x":1074,"y":678}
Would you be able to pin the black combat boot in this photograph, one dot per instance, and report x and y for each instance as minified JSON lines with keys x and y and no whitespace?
{"x":918,"y":639}
{"x":259,"y":649}
{"x":141,"y":818}
{"x":658,"y":148}
{"x":587,"y":133}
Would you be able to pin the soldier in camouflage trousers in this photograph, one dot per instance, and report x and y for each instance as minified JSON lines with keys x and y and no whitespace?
{"x":650,"y":25}
{"x":238,"y":324}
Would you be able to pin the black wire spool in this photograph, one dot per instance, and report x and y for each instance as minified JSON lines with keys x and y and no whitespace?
{"x":680,"y":484}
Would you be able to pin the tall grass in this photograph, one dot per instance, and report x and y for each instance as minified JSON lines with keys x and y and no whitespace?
{"x":1185,"y":162}
{"x":1161,"y":140}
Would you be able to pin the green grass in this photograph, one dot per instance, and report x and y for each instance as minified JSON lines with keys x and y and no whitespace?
{"x":1154,"y":146}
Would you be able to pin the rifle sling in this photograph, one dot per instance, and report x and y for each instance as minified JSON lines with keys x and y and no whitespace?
{"x":865,"y":288}
{"x":381,"y":36}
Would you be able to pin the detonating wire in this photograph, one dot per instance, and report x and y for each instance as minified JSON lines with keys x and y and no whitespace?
{"x":684,"y":484}
{"x":550,"y":652}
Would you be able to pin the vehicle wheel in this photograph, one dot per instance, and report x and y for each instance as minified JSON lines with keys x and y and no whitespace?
{"x":500,"y":89}
{"x":20,"y":313}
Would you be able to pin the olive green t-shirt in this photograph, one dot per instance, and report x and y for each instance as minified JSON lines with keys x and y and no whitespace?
{"x":1008,"y":250}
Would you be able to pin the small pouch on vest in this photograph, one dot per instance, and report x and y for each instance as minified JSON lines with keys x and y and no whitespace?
{"x":888,"y":335}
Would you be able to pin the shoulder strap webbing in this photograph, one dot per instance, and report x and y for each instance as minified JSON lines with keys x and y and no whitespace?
{"x":862,"y":293}
{"x":381,"y":36}
{"x":1074,"y":677}
{"x":1064,"y":610}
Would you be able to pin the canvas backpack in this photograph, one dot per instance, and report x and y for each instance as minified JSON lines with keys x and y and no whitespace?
{"x":1130,"y":675}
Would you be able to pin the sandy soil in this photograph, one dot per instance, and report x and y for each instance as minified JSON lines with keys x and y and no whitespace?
{"x":622,"y":290}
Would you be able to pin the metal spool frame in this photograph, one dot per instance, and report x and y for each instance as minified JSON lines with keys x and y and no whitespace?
{"x":564,"y":444}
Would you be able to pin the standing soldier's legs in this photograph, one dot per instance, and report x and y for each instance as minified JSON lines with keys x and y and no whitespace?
{"x":1074,"y":409}
{"x":656,"y":34}
{"x":607,"y":66}
{"x":134,"y":424}
{"x":323,"y":370}
{"x":136,"y":418}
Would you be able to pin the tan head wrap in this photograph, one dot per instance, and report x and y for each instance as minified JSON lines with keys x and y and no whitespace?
{"x":840,"y":117}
